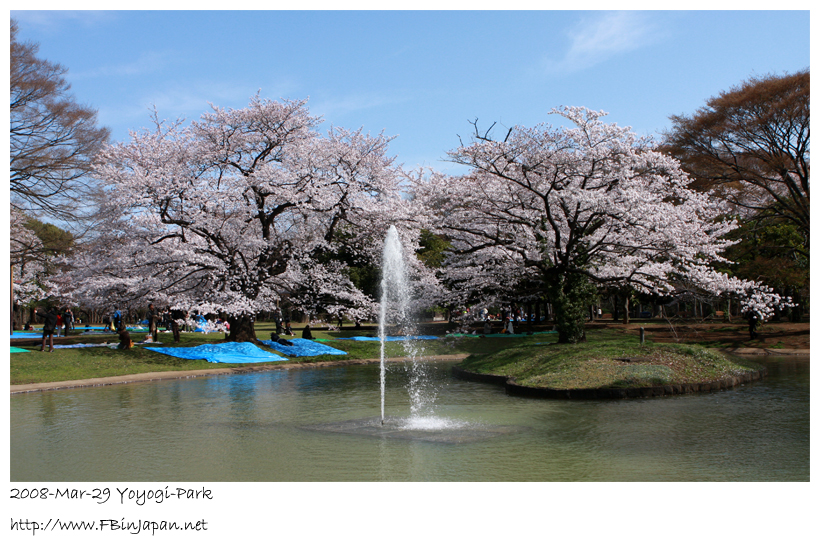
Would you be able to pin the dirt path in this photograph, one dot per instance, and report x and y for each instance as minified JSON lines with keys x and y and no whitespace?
{"x":771,"y":335}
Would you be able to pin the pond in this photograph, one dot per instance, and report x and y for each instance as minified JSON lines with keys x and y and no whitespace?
{"x":323,"y":425}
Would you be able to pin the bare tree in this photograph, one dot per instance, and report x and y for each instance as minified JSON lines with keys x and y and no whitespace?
{"x":53,"y":139}
{"x":750,"y":145}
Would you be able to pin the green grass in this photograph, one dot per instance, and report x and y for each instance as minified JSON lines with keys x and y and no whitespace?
{"x":81,"y":363}
{"x":533,"y":360}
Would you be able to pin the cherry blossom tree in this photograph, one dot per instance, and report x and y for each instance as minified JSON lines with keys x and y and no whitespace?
{"x":239,"y":210}
{"x":571,"y":209}
{"x":28,"y":262}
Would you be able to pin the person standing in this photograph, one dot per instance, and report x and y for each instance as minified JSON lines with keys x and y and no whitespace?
{"x":176,"y":316}
{"x":49,"y":325}
{"x":153,"y":317}
{"x":59,"y":322}
{"x":753,"y":321}
{"x":277,"y":318}
{"x":67,"y":317}
{"x":166,"y":319}
{"x":117,"y":319}
{"x":175,"y":329}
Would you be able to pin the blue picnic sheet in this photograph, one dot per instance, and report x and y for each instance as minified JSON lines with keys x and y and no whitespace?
{"x":221,"y":353}
{"x":304,"y":347}
{"x":392,"y":338}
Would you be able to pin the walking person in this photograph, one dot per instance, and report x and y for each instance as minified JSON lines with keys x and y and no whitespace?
{"x":49,"y":325}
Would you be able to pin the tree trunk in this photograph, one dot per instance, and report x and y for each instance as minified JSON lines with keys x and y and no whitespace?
{"x":570,"y":295}
{"x":241,"y":329}
{"x":796,"y":312}
{"x":626,"y":308}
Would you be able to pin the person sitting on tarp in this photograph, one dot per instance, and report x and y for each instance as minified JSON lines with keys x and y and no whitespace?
{"x":125,"y":339}
{"x":276,"y":339}
{"x":306,"y":334}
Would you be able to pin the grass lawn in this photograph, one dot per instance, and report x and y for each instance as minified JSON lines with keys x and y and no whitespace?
{"x":534,"y":360}
{"x":81,"y":363}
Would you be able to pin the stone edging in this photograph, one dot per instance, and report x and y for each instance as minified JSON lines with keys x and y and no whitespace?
{"x":172,"y":375}
{"x":609,"y":393}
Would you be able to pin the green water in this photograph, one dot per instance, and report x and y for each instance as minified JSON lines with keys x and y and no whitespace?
{"x":263,"y":427}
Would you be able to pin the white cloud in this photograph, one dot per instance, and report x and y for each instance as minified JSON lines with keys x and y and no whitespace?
{"x":603,"y":36}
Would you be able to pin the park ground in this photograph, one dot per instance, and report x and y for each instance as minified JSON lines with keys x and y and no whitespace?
{"x":771,"y":335}
{"x":74,"y":365}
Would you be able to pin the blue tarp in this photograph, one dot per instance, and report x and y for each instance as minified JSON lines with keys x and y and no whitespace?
{"x":222,"y":353}
{"x":304,"y":347}
{"x":395,"y":338}
{"x":93,"y":330}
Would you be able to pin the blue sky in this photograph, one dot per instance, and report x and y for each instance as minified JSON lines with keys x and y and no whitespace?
{"x":420,"y":76}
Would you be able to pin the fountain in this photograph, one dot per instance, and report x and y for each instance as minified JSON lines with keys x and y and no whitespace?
{"x":395,"y":308}
{"x":396,"y":316}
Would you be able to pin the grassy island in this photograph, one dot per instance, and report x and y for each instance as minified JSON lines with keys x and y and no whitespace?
{"x":607,"y":360}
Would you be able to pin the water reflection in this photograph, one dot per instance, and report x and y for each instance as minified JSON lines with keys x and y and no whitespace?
{"x":252,"y":427}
